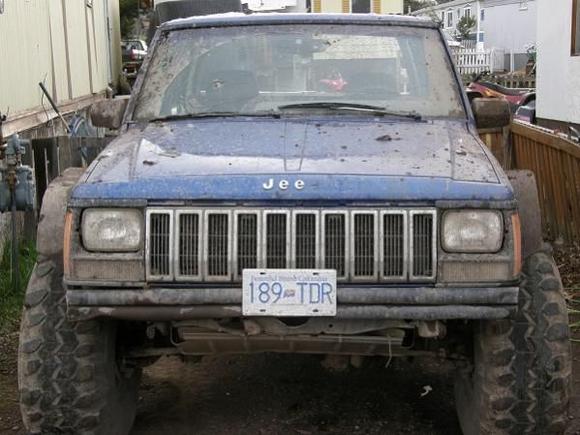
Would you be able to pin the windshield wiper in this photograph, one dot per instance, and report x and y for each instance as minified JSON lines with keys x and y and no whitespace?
{"x":211,"y":115}
{"x":375,"y":110}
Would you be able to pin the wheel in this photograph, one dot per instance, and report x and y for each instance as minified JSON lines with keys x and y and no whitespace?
{"x":68,"y":373}
{"x":519,"y":379}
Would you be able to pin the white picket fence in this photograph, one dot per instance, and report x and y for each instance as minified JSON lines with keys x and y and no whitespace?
{"x":473,"y":61}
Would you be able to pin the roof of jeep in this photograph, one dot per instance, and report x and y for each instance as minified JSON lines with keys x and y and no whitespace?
{"x":239,"y":19}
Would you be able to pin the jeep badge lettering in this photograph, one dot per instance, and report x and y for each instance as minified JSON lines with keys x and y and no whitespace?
{"x":282,"y":184}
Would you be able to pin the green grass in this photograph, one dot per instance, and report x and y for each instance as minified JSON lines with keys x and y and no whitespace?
{"x":574,"y":311}
{"x":11,"y":300}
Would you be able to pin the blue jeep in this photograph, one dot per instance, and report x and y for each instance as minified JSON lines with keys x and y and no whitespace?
{"x":300,"y":184}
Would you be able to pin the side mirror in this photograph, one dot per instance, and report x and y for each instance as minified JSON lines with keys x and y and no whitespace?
{"x":491,"y":112}
{"x":108,"y":113}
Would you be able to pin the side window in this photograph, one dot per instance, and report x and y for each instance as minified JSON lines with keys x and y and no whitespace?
{"x":576,"y":28}
{"x":482,"y":18}
{"x":449,"y":18}
{"x":361,"y":6}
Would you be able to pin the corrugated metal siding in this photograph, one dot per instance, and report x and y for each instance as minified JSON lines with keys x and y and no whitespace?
{"x":24,"y":54}
{"x":77,"y":46}
{"x":63,"y":43}
{"x":60,"y":67}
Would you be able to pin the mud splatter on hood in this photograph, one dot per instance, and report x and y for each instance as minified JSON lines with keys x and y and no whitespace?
{"x":196,"y":158}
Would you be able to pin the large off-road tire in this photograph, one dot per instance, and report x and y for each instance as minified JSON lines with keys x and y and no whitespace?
{"x":519,"y":382}
{"x":68,"y":373}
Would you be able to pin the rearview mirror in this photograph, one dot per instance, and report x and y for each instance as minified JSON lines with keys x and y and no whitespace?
{"x":491,"y":112}
{"x":108,"y":113}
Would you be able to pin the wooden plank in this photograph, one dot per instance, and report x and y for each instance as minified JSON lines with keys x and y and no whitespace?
{"x":567,"y":185}
{"x":573,"y":177}
{"x":68,"y":153}
{"x":558,"y":199}
{"x":39,"y":170}
{"x":546,"y":138}
{"x":547,"y":180}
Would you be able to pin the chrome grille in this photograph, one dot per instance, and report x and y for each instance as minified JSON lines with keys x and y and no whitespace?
{"x":305,"y":240}
{"x":277,"y":238}
{"x":159,"y":252}
{"x":217,"y":246}
{"x":335,"y":244}
{"x":364,"y":241}
{"x":366,"y":245}
{"x":188,"y":248}
{"x":393,"y":245}
{"x":422,"y":230}
{"x":247,"y":235}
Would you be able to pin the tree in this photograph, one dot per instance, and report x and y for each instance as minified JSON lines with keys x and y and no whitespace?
{"x":465,"y":26}
{"x":128,"y":10}
{"x":414,"y":5}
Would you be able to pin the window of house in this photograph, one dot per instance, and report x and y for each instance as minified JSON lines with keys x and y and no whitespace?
{"x":361,"y":6}
{"x":576,"y":28}
{"x":523,"y":5}
{"x":458,"y":14}
{"x":449,"y":18}
{"x":467,"y":12}
{"x":482,"y":15}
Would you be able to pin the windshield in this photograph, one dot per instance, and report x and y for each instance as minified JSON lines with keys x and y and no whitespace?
{"x":253,"y":70}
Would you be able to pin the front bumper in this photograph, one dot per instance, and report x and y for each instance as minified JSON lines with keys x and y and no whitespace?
{"x":401,"y":303}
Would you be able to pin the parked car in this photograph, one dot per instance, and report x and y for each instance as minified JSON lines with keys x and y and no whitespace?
{"x":526,"y":112}
{"x":133,"y":52}
{"x":251,"y":205}
{"x":485,"y":89}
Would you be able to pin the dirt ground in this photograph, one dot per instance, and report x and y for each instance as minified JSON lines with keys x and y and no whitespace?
{"x":289,"y":394}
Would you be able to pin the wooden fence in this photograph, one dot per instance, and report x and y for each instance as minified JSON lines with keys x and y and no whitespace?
{"x":555,"y":161}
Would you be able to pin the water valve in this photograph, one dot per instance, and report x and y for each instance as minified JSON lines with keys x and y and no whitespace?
{"x":16,"y":179}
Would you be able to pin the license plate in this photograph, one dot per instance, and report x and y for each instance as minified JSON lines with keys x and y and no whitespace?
{"x":289,"y":292}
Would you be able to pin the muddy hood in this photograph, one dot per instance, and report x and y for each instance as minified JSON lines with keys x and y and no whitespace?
{"x":281,"y":159}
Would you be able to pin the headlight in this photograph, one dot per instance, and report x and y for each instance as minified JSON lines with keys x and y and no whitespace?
{"x":112,"y":230}
{"x":472,"y":231}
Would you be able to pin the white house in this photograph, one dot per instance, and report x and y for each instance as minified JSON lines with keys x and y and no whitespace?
{"x":558,"y":68}
{"x":504,"y":25}
{"x":333,"y":6}
{"x":358,"y":6}
{"x":277,"y":5}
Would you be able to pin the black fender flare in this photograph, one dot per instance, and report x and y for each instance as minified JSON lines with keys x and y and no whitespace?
{"x":526,"y":192}
{"x":50,"y":231}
